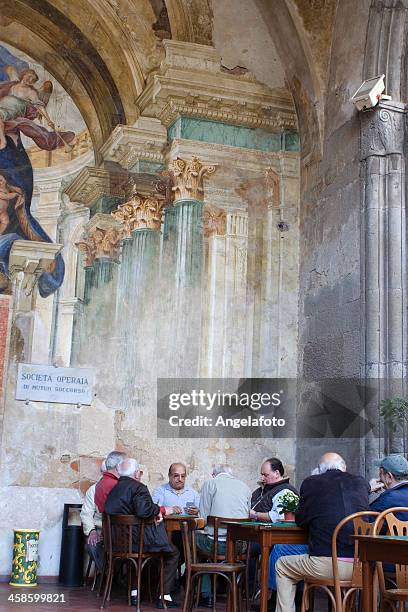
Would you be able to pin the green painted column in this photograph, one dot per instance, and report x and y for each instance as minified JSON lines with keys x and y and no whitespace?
{"x":137,"y":293}
{"x":183,"y":264}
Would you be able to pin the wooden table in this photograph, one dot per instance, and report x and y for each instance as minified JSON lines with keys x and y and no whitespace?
{"x":387,"y":549}
{"x":266,"y":534}
{"x":172,"y":521}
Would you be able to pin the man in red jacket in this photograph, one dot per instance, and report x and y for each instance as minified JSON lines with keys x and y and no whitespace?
{"x":109,"y":478}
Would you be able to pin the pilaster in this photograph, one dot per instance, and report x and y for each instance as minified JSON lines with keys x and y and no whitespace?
{"x":384,"y":271}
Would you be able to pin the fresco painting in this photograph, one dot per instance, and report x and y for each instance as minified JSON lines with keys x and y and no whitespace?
{"x":23,"y":111}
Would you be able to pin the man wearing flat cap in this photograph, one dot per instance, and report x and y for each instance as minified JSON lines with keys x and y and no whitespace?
{"x":393,"y":481}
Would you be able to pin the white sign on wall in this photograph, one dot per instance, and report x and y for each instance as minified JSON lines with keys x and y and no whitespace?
{"x":44,"y":383}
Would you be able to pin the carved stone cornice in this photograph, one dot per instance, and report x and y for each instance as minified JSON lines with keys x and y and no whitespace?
{"x":383,"y":130}
{"x":139,"y":212}
{"x":191,"y":83}
{"x":187,"y":177}
{"x":101,"y":239}
{"x":31,"y":258}
{"x":92,"y":183}
{"x":127,"y":144}
{"x":227,"y":111}
{"x":251,"y":161}
{"x":215,"y":221}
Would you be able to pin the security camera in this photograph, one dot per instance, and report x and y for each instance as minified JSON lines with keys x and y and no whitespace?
{"x":370,"y":93}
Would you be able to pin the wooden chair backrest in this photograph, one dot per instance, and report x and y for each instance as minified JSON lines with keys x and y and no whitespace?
{"x":216,"y":522}
{"x":361,"y":527}
{"x":119,"y":533}
{"x":188,"y":529}
{"x":396,"y":527}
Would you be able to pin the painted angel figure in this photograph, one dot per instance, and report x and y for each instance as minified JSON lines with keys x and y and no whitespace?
{"x":21,"y":103}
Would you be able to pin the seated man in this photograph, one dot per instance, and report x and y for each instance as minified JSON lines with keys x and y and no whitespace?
{"x":130,"y":496}
{"x":223,"y":495}
{"x":393,"y":484}
{"x":109,"y":478}
{"x":265,"y":503}
{"x":324,"y":500}
{"x":91,"y":520}
{"x":265,"y":500}
{"x":176,"y":493}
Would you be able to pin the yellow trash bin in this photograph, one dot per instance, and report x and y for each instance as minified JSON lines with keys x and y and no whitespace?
{"x":25,"y":558}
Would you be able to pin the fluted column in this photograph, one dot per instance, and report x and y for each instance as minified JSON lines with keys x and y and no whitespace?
{"x":183,"y":266}
{"x":141,"y":219}
{"x":384,"y":273}
{"x":225,"y":304}
{"x":100,"y":248}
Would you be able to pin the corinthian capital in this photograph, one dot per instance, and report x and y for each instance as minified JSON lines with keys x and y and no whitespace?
{"x":101,"y":239}
{"x":188,"y":177}
{"x":140,"y":212}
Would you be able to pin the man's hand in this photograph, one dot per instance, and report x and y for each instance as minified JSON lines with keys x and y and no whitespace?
{"x":252,"y":514}
{"x":159,"y":517}
{"x":376,"y":485}
{"x":93,"y":538}
{"x":173,"y":510}
{"x":192,"y":510}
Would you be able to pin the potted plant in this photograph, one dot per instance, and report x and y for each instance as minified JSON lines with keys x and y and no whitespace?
{"x":394,"y":411}
{"x":288,"y":503}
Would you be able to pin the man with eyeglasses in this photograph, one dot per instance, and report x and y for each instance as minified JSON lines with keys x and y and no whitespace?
{"x":175,"y":492}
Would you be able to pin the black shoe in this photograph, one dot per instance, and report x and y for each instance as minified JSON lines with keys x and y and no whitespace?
{"x":206,"y":601}
{"x":271,"y":603}
{"x":169,"y":604}
{"x":133,"y":600}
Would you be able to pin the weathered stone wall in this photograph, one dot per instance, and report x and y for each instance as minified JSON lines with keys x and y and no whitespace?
{"x":330,"y":339}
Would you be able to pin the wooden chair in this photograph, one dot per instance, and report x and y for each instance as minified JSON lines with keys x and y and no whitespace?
{"x":96,"y":574}
{"x":343,"y":589}
{"x":229,"y":571}
{"x":216,"y":522}
{"x":396,"y":527}
{"x":118,"y":539}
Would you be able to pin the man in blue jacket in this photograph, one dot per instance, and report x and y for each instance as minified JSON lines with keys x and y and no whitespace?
{"x":393,"y":476}
{"x":325,"y":499}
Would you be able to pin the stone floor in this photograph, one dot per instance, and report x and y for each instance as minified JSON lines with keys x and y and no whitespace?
{"x":77,"y":599}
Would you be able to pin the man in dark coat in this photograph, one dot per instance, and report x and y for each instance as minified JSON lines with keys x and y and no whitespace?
{"x":265,"y":499}
{"x":325,"y":499}
{"x":130,"y":496}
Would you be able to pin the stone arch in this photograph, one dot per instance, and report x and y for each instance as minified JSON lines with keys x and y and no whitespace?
{"x":294,"y":49}
{"x":103,"y":78}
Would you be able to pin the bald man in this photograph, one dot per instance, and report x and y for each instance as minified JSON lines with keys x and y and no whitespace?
{"x":325,"y":499}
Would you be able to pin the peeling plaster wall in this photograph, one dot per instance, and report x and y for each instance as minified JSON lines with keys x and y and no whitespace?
{"x":246,"y":41}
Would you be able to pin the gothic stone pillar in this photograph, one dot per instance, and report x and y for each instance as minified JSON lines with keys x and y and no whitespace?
{"x":384,"y":274}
